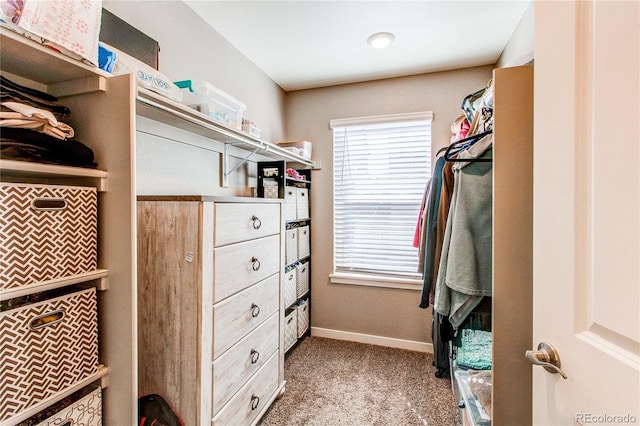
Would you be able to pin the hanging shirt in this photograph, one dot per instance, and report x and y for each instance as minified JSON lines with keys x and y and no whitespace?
{"x":464,"y":275}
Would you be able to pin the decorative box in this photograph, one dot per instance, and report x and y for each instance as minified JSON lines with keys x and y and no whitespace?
{"x":290,"y":329}
{"x":302,"y":203}
{"x":49,"y":232}
{"x":304,"y":249}
{"x":290,"y":245}
{"x":81,"y":408}
{"x":302,"y":279}
{"x":303,"y":317}
{"x":290,"y":203}
{"x":46,"y":346}
{"x":290,"y":288}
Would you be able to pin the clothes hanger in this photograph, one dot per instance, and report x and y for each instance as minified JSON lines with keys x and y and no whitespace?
{"x":463,"y":144}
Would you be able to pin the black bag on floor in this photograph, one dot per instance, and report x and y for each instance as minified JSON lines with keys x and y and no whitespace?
{"x":154,"y":410}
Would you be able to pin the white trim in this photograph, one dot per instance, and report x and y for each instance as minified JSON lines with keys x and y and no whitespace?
{"x":390,"y":342}
{"x":376,"y":281}
{"x":388,"y":118}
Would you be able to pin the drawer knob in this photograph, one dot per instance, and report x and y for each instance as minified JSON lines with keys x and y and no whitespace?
{"x":255,"y":401}
{"x":255,"y":310}
{"x":257,"y":223}
{"x":255,"y":264}
{"x":255,"y":356}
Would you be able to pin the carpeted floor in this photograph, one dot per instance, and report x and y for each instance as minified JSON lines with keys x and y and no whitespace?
{"x":334,"y":382}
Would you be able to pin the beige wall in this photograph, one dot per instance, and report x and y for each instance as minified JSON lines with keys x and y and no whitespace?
{"x":519,"y":50}
{"x":368,"y":310}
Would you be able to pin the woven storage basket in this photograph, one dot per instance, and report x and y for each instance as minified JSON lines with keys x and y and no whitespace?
{"x":304,"y":248}
{"x":290,"y":288}
{"x":302,"y":279}
{"x":290,"y":246}
{"x":303,"y":317}
{"x":49,"y":232}
{"x":45,"y":348}
{"x":290,"y":329}
{"x":302,"y":203}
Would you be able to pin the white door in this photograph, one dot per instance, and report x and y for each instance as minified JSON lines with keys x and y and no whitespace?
{"x":587,"y":211}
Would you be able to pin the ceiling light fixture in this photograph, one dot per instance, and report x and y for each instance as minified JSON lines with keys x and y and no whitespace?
{"x":380,"y":40}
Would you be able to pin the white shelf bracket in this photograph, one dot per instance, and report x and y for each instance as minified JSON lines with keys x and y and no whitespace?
{"x":225,"y":172}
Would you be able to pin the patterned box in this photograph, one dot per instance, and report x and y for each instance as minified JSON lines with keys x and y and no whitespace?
{"x":302,"y":312}
{"x":45,"y":347}
{"x":302,"y":279}
{"x":290,"y":203}
{"x":81,"y":408}
{"x":47,"y":232}
{"x":290,"y":288}
{"x":302,"y":203}
{"x":290,"y":329}
{"x":304,"y":248}
{"x":290,"y":246}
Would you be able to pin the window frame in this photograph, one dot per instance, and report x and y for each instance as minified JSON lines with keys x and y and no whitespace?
{"x":375,"y":279}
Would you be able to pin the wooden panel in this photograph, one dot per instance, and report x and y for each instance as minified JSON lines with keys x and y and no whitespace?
{"x":116,"y":227}
{"x":513,"y":244}
{"x":262,"y":385}
{"x":234,"y":265}
{"x":242,"y":222}
{"x":232,"y":318}
{"x":168,"y":304}
{"x":233,"y":368}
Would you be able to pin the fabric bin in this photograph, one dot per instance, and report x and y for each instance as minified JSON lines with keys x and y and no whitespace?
{"x":49,"y":232}
{"x":302,"y":279}
{"x":290,"y":203}
{"x":302,"y":203}
{"x":81,"y":408}
{"x":302,"y":312}
{"x":304,"y":248}
{"x":290,"y":245}
{"x":290,"y":288}
{"x":290,"y":329}
{"x":46,"y":347}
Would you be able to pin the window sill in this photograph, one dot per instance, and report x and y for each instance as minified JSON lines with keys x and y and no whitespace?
{"x":376,"y":281}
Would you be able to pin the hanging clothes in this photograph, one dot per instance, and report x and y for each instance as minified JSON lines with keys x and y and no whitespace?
{"x":430,"y":234}
{"x":464,"y":274}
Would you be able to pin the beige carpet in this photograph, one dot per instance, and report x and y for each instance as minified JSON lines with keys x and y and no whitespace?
{"x":333,"y":382}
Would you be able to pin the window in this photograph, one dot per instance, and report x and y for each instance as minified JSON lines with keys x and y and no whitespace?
{"x":381,"y":166}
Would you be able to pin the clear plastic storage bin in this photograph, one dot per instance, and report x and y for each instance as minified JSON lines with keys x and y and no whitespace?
{"x":215,"y":103}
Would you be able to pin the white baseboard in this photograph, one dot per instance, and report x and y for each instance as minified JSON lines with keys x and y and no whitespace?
{"x":372,"y":340}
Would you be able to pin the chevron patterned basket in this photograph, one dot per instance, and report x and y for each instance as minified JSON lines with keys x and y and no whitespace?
{"x":47,"y":232}
{"x":45,"y":348}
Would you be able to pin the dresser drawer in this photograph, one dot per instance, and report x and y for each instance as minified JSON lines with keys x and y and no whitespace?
{"x":236,"y":316}
{"x":232,"y":369}
{"x":235,"y":222}
{"x":252,"y":398}
{"x":238,"y":266}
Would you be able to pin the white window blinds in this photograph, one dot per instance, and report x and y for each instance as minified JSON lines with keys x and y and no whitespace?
{"x":381,"y":167}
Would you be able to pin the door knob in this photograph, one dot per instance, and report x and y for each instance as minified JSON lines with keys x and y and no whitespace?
{"x":546,"y":356}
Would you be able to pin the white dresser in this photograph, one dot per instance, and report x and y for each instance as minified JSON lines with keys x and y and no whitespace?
{"x":210,"y":314}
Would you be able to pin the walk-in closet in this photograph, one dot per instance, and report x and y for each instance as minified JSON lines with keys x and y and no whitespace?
{"x":316,"y":213}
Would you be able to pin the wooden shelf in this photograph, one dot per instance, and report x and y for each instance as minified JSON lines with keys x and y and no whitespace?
{"x":98,"y":274}
{"x":21,"y":169}
{"x":159,"y":108}
{"x":33,"y":61}
{"x":101,"y":375}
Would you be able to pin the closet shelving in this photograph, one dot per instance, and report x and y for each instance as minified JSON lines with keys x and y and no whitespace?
{"x":104,"y":109}
{"x":159,"y":108}
{"x":57,"y":74}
